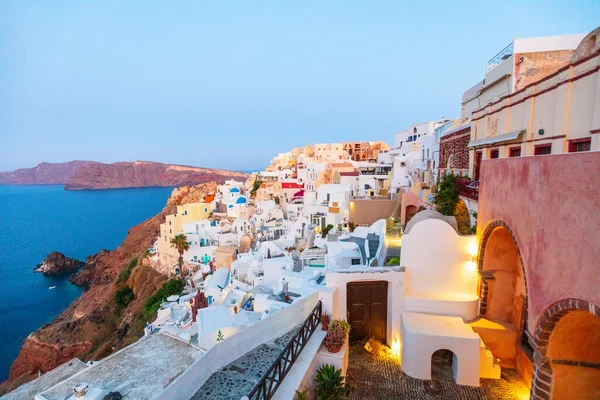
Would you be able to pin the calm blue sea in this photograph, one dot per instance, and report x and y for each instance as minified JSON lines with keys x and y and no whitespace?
{"x":34,"y":220}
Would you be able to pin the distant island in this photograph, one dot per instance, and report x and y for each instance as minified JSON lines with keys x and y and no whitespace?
{"x":87,"y":175}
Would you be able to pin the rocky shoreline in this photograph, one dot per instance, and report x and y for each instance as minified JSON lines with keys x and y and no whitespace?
{"x":57,"y":263}
{"x":91,"y":328}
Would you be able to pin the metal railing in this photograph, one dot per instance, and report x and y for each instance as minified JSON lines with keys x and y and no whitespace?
{"x":270,"y":381}
{"x":466,"y":191}
{"x":501,"y":56}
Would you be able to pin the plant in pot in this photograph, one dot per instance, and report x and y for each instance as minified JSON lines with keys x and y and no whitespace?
{"x":325,"y":320}
{"x":341,"y":324}
{"x":330,"y":383}
{"x":335,"y":339}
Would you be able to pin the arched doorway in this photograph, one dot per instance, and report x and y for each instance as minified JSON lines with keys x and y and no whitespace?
{"x":410,"y":212}
{"x":567,"y":359}
{"x":444,"y":366}
{"x":503,"y":295}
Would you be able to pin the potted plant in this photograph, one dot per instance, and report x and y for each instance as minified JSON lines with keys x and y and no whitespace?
{"x":335,"y":339}
{"x":330,"y":383}
{"x":340,"y":324}
{"x":325,"y":320}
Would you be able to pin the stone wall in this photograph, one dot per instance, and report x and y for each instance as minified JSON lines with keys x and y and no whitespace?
{"x":455,"y":144}
{"x":531,"y":67}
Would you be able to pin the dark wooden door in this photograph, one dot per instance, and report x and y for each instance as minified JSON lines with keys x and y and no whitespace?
{"x":367,"y":310}
{"x":477,"y":166}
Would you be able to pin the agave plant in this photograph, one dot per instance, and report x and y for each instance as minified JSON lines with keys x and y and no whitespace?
{"x":340,"y":324}
{"x":335,"y":339}
{"x":330,"y":383}
{"x":325,"y":321}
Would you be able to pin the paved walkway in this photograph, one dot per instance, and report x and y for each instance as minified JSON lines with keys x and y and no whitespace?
{"x":382,"y":378}
{"x":238,"y":378}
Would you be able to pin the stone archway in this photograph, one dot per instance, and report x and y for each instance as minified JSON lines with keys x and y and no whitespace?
{"x":503,"y":293}
{"x":567,"y":358}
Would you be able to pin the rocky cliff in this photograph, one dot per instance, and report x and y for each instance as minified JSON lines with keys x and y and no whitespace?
{"x":43,"y":174}
{"x":93,"y":327}
{"x":57,"y":263}
{"x":145,"y":174}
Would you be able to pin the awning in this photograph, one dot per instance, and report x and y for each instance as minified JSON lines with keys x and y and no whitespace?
{"x":497,"y":139}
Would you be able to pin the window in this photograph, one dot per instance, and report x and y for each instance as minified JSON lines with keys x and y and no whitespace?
{"x":356,"y":261}
{"x":495,"y":153}
{"x":415,"y":130}
{"x":515,"y":152}
{"x":543,"y":149}
{"x":580,"y":145}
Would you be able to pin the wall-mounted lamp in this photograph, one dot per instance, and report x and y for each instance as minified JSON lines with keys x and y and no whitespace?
{"x":472,"y":248}
{"x":396,"y":347}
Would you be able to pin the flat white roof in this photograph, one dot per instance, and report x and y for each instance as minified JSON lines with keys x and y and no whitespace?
{"x":547,"y":43}
{"x":437,"y":325}
{"x":139,"y":371}
{"x":46,"y":381}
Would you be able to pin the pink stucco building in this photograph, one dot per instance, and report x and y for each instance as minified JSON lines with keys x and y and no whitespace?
{"x":538,"y":260}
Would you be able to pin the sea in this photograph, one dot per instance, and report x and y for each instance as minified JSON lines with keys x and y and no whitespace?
{"x":34,"y":221}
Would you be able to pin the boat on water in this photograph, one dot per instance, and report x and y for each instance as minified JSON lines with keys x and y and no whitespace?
{"x":52,"y":287}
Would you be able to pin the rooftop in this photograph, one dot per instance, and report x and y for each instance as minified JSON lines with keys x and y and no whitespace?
{"x":137,"y":372}
{"x":58,"y":374}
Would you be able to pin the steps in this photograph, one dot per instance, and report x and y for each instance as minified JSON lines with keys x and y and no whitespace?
{"x":501,"y":338}
{"x":489,"y":367}
{"x":373,"y":244}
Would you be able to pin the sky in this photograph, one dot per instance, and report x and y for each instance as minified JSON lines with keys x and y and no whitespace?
{"x":229,"y":84}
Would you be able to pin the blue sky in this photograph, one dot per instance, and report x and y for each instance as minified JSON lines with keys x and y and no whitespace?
{"x":229,"y":84}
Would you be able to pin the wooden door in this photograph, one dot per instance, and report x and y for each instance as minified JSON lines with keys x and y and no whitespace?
{"x":477,"y":166}
{"x":367,"y":310}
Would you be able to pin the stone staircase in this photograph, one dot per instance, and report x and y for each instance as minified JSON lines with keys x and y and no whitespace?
{"x":373,"y":244}
{"x":237,"y":379}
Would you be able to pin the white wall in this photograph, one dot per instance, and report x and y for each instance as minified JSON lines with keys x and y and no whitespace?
{"x":395,"y":279}
{"x":547,"y":43}
{"x":437,"y":259}
{"x":235,"y":346}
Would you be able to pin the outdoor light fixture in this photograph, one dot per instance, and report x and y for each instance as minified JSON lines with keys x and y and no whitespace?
{"x":472,"y":248}
{"x":396,"y":347}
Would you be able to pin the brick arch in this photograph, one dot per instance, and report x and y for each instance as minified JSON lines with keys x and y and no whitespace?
{"x":483,"y":292}
{"x":541,"y":385}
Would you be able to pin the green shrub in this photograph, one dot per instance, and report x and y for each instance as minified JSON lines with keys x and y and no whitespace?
{"x":124,"y":274}
{"x":394,"y":261}
{"x":330,"y":385}
{"x":446,"y":196}
{"x":463,"y":220}
{"x":169,"y":288}
{"x":326,"y":230}
{"x":123,"y":297}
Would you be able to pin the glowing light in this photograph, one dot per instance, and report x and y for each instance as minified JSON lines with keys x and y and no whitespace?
{"x":471,"y":266}
{"x":472,"y":248}
{"x":396,"y":347}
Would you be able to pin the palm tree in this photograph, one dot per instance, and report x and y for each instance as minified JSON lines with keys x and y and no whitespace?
{"x":180,"y":242}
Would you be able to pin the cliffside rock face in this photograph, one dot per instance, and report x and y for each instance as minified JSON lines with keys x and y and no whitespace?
{"x":57,"y":263}
{"x":91,"y":328}
{"x":43,"y":174}
{"x":145,"y":174}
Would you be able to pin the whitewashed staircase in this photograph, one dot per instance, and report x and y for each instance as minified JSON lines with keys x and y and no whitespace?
{"x":488,"y":365}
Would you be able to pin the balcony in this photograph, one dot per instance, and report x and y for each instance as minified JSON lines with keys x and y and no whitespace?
{"x":467,"y":188}
{"x":498,"y":58}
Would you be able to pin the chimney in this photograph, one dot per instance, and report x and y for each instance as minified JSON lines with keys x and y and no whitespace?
{"x":80,"y":390}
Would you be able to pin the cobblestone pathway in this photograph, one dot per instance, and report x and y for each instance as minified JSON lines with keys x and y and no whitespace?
{"x":381,"y":377}
{"x":238,"y":378}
